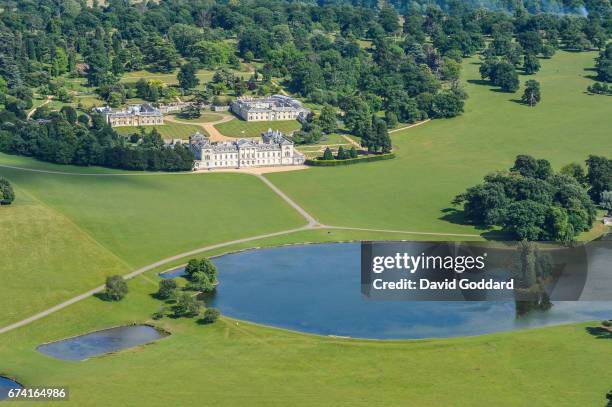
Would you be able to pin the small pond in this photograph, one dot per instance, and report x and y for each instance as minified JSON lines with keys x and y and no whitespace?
{"x":177,"y":272}
{"x":5,"y":385}
{"x":101,"y":342}
{"x":316,"y":289}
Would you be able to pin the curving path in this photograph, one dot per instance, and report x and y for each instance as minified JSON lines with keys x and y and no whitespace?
{"x":209,"y":127}
{"x":139,"y":271}
{"x":312,"y":223}
{"x":31,"y":112}
{"x":410,"y":126}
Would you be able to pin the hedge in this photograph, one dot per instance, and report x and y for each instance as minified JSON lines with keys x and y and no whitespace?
{"x":318,"y":162}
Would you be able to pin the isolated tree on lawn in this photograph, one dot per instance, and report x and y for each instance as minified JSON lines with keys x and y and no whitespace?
{"x":187,"y":76}
{"x":210,"y":315}
{"x":7,"y":195}
{"x":532,"y":95}
{"x":116,"y":288}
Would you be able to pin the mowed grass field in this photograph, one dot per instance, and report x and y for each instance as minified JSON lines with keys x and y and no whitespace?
{"x":241,"y":128}
{"x":442,"y":158}
{"x":65,"y":233}
{"x":166,"y":130}
{"x":206,"y":117}
{"x":231,"y":363}
{"x":170,"y":78}
{"x":46,"y":258}
{"x":139,"y":219}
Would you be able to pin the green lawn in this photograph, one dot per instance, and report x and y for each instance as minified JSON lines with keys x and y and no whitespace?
{"x":439,"y":159}
{"x":167,"y":130}
{"x":66,"y":232}
{"x":241,"y":128}
{"x":238,"y":363}
{"x":203,"y":75}
{"x":205,"y":117}
{"x":35,"y":273}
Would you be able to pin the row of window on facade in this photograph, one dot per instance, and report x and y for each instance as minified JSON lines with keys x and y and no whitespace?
{"x":252,"y":155}
{"x":242,"y":162}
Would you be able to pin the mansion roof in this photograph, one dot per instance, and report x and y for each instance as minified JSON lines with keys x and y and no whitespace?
{"x":132,"y":110}
{"x":279,"y":103}
{"x":269,"y":141}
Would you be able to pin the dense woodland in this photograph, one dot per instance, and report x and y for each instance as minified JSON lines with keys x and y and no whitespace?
{"x":370,"y":66}
{"x":532,"y":202}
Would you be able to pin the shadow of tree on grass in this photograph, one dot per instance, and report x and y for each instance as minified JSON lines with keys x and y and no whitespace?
{"x":457,"y":217}
{"x":599,"y":332}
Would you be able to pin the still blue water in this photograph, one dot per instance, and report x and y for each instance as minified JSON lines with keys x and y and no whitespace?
{"x":5,"y":385}
{"x":100,"y":342}
{"x":316,"y":289}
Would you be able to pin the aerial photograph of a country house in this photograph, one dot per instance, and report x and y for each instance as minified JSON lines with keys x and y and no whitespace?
{"x":306,"y":203}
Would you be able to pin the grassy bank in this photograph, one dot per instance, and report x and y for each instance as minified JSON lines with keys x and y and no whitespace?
{"x":64,"y":233}
{"x":440,"y":159}
{"x":237,"y":361}
{"x":168,"y":130}
{"x":241,"y":128}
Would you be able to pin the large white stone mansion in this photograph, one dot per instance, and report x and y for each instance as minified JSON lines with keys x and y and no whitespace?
{"x":275,"y":107}
{"x":133,"y":115}
{"x":272,"y":149}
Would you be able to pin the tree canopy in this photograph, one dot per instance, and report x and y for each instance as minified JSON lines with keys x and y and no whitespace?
{"x":530,"y":202}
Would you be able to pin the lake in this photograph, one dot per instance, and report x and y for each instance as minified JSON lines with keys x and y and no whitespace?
{"x":5,"y":385}
{"x":316,"y":289}
{"x":101,"y":342}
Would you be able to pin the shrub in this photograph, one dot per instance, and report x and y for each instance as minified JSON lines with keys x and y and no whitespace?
{"x":167,"y":289}
{"x":607,"y":323}
{"x":159,"y":314}
{"x":210,"y":315}
{"x":7,"y":195}
{"x":333,"y":163}
{"x":116,"y":288}
{"x":187,"y":306}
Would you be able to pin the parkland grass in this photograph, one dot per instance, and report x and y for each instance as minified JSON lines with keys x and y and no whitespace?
{"x":442,"y":158}
{"x":241,"y":128}
{"x":36,"y":269}
{"x":204,"y":118}
{"x":167,"y":130}
{"x":237,"y":361}
{"x":65,"y":233}
{"x":141,"y":219}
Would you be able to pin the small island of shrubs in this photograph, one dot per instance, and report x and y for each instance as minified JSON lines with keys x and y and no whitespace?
{"x":183,"y":302}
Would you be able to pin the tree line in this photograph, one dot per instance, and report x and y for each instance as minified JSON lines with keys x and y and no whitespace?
{"x":355,"y":57}
{"x":59,"y":138}
{"x":532,"y":202}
